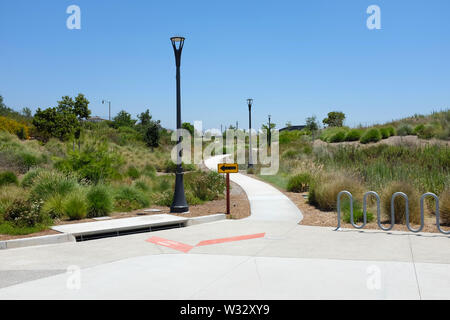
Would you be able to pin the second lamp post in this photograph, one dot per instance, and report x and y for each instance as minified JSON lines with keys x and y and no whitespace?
{"x":250,"y":159}
{"x":179,"y":204}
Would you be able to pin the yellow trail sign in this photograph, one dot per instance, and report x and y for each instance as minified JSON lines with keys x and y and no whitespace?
{"x":227,"y":168}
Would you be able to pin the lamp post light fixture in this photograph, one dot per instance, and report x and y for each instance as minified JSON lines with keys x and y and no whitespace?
{"x":179,"y":204}
{"x":109,"y":109}
{"x":250,"y":159}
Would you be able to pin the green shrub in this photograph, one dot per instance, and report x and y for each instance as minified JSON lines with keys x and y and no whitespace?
{"x":385,"y":133}
{"x":142,"y":184}
{"x":299,"y":183}
{"x":371,"y":135}
{"x":149,"y":171}
{"x":391,"y":131}
{"x":399,"y":203}
{"x":338,"y":136}
{"x":54,"y":207}
{"x":425,"y":131}
{"x":358,"y":214}
{"x":129,"y":198}
{"x":100,"y":201}
{"x":75,"y":206}
{"x":163,"y":199}
{"x":405,"y":130}
{"x":171,"y":167}
{"x":205,"y":186}
{"x":133,"y":172}
{"x":24,"y":213}
{"x":8,"y":177}
{"x":49,"y":183}
{"x":28,"y":178}
{"x":95,"y":162}
{"x":354,"y":135}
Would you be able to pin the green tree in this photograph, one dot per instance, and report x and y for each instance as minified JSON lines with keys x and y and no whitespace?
{"x":189,"y":127}
{"x":52,"y":122}
{"x":123,"y":119}
{"x":312,"y":124}
{"x":334,"y":119}
{"x":79,"y":106}
{"x":153,"y":134}
{"x":144,"y":118}
{"x":26,"y":112}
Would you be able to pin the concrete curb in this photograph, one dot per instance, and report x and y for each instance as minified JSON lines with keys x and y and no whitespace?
{"x":67,"y":237}
{"x":206,"y":219}
{"x":37,"y":241}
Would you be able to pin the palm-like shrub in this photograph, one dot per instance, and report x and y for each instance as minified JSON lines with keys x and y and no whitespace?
{"x":75,"y":205}
{"x":54,"y":207}
{"x":400,"y":204}
{"x":100,"y":201}
{"x":49,"y":183}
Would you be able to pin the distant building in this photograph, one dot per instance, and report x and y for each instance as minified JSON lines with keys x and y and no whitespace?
{"x":95,"y":119}
{"x":292,"y":128}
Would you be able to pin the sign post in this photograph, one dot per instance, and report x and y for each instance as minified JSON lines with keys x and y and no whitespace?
{"x":228,"y":168}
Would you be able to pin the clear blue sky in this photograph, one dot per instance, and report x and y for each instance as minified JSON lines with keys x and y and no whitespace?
{"x":294,"y":58}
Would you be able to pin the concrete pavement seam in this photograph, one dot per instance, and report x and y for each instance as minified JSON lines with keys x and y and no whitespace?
{"x":414,"y":266}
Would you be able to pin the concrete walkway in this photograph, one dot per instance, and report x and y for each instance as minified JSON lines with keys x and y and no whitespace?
{"x":266,"y":202}
{"x":289,"y":262}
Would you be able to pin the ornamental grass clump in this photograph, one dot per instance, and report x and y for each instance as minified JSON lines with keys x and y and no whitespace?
{"x":444,"y":206}
{"x":400,"y":203}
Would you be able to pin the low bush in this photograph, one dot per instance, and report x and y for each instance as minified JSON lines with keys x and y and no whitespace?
{"x":143,"y":184}
{"x":399,"y":203}
{"x":405,"y":130}
{"x":24,"y":213}
{"x":425,"y":131}
{"x":133,"y":172}
{"x":354,"y":135}
{"x":164,"y":198}
{"x":371,"y":135}
{"x":290,"y":154}
{"x":444,"y":206}
{"x":338,"y":136}
{"x":358,"y":214}
{"x":299,"y":183}
{"x":8,"y":177}
{"x":8,"y":194}
{"x":28,"y":178}
{"x":385,"y":133}
{"x":324,"y":190}
{"x":54,"y":207}
{"x":149,"y":171}
{"x":129,"y":198}
{"x":100,"y":201}
{"x":171,"y":167}
{"x":391,"y":131}
{"x":50,"y":183}
{"x":75,"y":205}
{"x":205,"y":186}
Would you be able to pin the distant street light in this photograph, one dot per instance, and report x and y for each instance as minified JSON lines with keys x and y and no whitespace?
{"x":179,"y":204}
{"x":250,"y":159}
{"x":109,"y":102}
{"x":270,"y":132}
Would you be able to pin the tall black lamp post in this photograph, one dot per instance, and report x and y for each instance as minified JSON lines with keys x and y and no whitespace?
{"x":270,"y":132}
{"x":250,"y":159}
{"x":179,"y":204}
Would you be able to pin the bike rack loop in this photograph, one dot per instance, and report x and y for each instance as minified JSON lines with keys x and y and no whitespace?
{"x":436,"y":199}
{"x":373,"y":193}
{"x":407,"y":212}
{"x":351,"y":211}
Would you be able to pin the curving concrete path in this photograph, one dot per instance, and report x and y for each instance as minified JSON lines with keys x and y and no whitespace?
{"x":266,"y":202}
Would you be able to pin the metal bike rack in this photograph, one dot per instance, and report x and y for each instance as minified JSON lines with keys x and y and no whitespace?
{"x":394,"y":196}
{"x":436,"y":200}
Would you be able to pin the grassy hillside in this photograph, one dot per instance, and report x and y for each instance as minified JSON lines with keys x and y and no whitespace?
{"x":106,"y":168}
{"x":326,"y":169}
